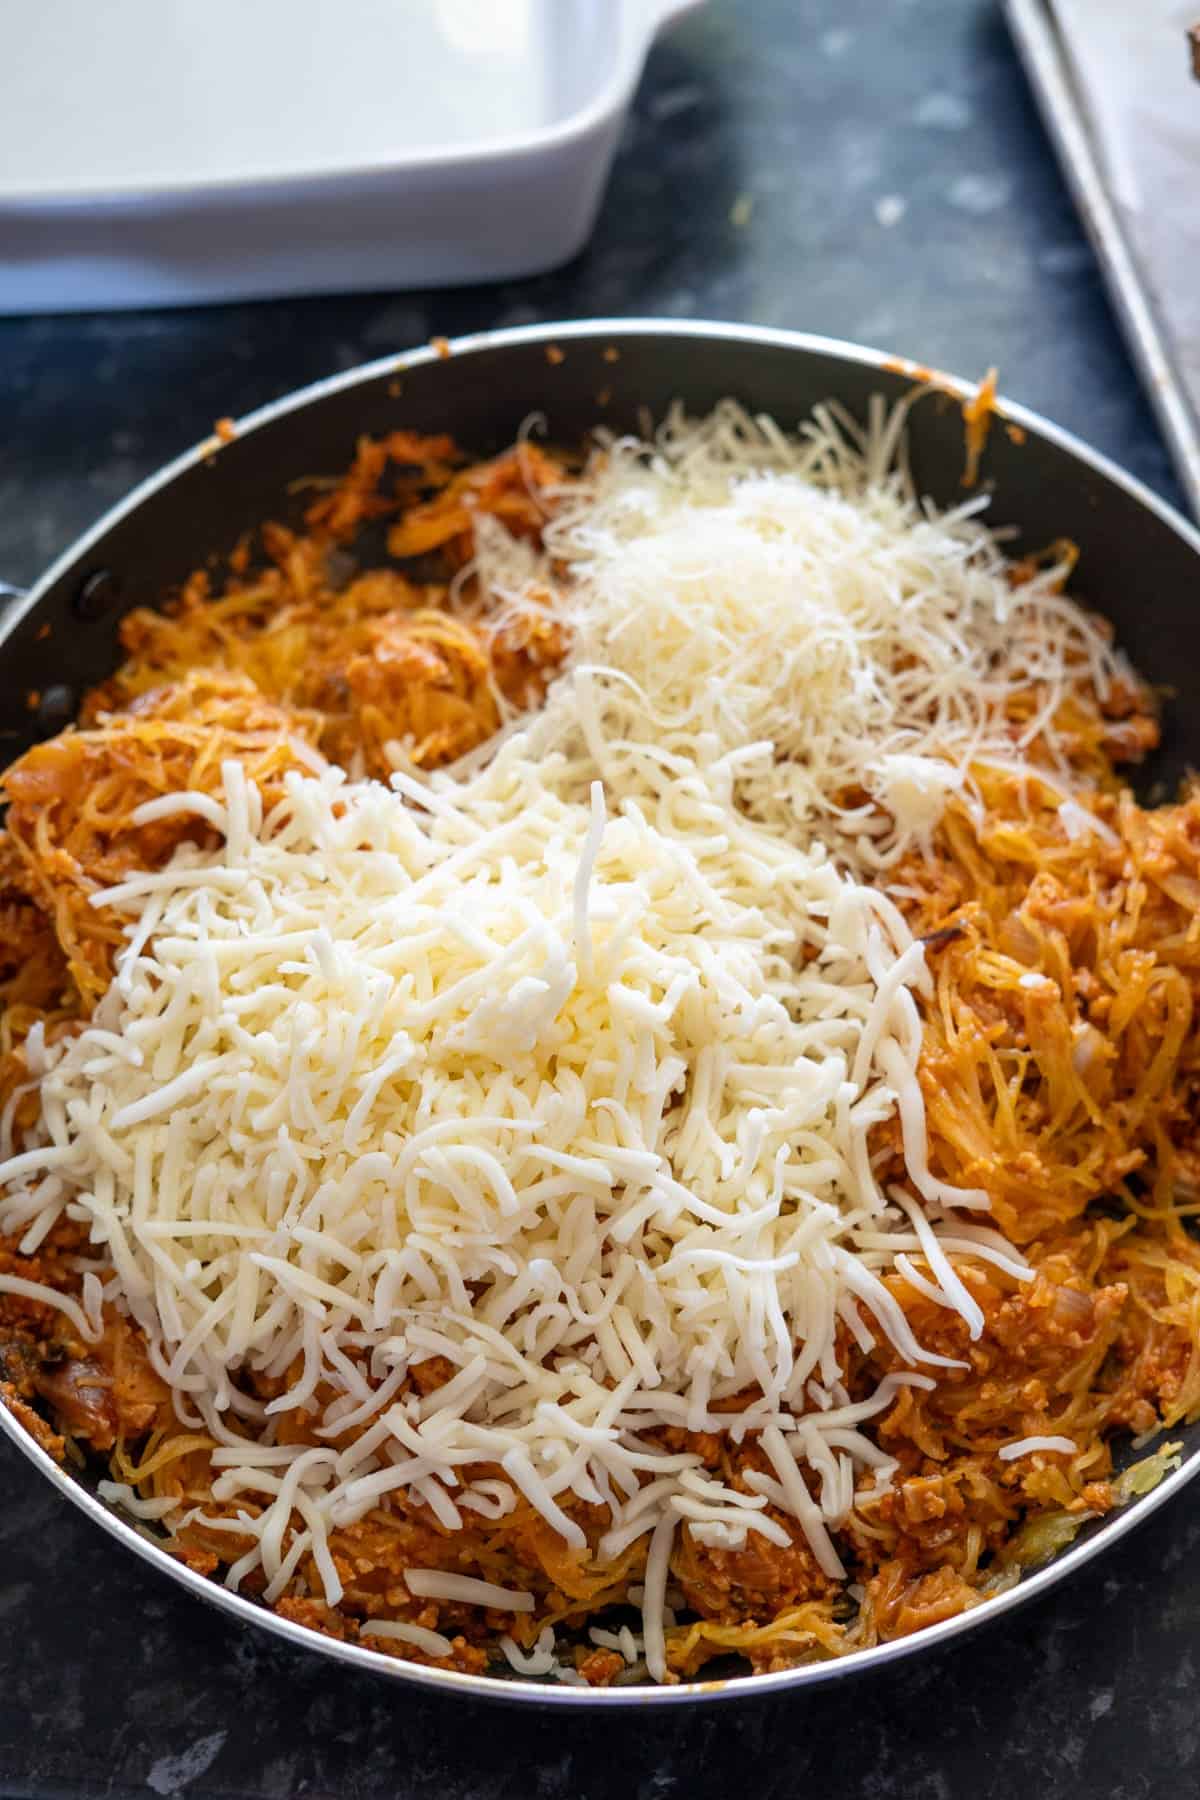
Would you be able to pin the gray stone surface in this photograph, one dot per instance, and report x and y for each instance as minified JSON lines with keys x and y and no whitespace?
{"x":868,"y":168}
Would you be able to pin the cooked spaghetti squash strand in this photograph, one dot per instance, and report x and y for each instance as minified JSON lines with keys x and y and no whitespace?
{"x":1061,"y":1057}
{"x":71,"y":800}
{"x":1155,"y":1374}
{"x":376,"y":653}
{"x":516,"y":490}
{"x":159,"y":1452}
{"x":797,"y":1634}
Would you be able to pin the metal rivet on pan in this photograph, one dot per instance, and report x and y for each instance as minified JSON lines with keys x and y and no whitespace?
{"x":98,"y":593}
{"x":55,"y":709}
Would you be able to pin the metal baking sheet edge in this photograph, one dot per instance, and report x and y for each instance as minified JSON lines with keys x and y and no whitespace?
{"x":1041,"y":50}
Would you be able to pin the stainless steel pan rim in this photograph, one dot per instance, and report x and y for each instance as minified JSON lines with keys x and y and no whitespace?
{"x":516,"y":1690}
{"x":491,"y":1687}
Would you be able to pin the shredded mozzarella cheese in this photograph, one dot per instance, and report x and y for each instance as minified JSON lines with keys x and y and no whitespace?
{"x":431,"y":1642}
{"x":1026,"y":1447}
{"x":436,"y":1584}
{"x":540,"y":1660}
{"x":602,"y":1144}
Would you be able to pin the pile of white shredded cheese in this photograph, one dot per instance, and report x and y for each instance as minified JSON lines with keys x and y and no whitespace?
{"x":733,"y":589}
{"x":565,"y":1066}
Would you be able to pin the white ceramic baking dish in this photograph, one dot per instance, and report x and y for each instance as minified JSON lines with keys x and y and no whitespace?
{"x":159,"y":152}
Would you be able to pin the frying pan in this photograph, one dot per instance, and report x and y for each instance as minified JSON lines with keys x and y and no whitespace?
{"x":1139,"y":563}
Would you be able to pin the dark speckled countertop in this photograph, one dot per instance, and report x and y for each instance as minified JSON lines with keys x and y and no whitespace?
{"x":872,"y":169}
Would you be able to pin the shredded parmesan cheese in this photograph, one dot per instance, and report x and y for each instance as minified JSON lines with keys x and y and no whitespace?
{"x":785,"y":613}
{"x":1079,"y":821}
